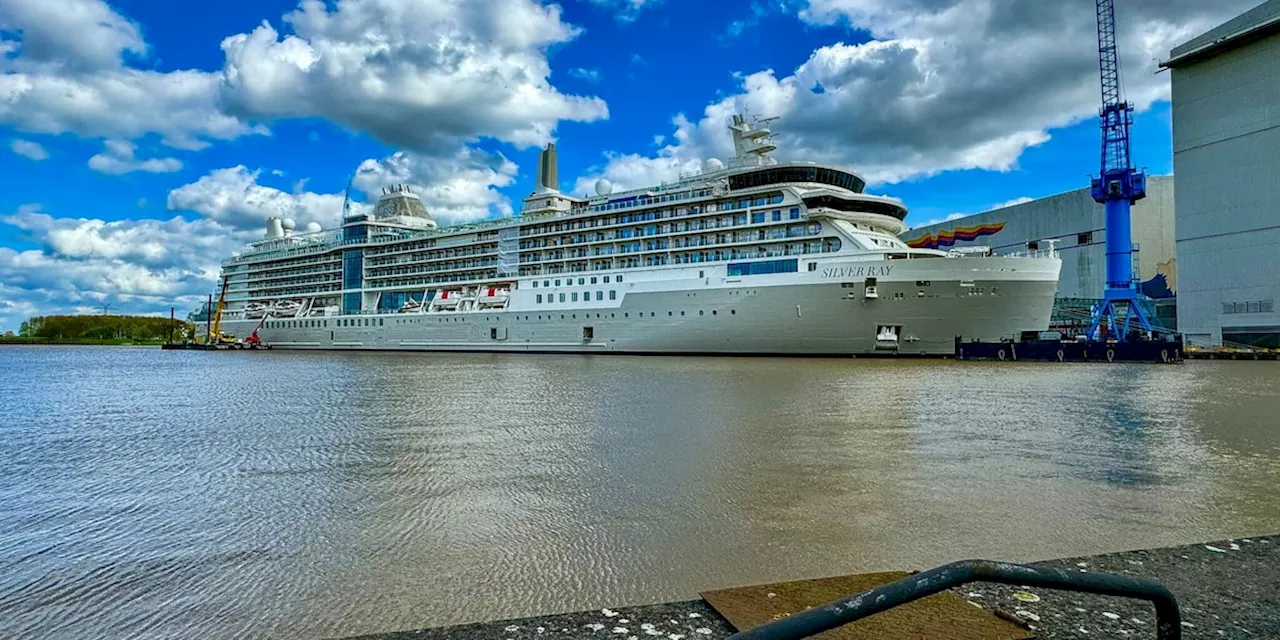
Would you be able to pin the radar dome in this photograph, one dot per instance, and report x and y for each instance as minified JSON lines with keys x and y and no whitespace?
{"x":288,"y":224}
{"x":712,"y":165}
{"x":603,"y":187}
{"x":313,"y":227}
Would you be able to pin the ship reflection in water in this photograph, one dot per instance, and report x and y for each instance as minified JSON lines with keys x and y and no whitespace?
{"x":148,"y":494}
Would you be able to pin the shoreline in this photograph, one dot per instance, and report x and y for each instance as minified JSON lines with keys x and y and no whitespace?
{"x":77,"y":343}
{"x":1226,"y":589}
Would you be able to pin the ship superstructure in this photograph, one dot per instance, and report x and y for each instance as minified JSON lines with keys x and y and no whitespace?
{"x":751,"y":255}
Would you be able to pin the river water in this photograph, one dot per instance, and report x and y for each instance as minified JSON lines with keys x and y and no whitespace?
{"x":152,"y":494}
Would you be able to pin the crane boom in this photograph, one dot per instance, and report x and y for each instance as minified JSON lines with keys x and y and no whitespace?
{"x":1116,"y":114}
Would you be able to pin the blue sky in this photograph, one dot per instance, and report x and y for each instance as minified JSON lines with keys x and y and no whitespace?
{"x":144,"y":141}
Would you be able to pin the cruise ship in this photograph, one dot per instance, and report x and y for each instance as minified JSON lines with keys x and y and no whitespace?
{"x":747,"y":256}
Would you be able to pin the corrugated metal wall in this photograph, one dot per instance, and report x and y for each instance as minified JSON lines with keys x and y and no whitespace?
{"x":1226,"y":141}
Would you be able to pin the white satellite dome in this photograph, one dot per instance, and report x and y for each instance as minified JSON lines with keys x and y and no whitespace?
{"x":313,"y":227}
{"x":712,"y":165}
{"x":288,"y":224}
{"x":603,"y":187}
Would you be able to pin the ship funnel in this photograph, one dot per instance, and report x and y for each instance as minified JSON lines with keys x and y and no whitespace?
{"x":548,"y":170}
{"x":275,"y":229}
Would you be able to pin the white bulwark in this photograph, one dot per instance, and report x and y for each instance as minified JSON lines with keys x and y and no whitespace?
{"x":1076,"y":224}
{"x":748,"y":256}
{"x":1226,"y":154}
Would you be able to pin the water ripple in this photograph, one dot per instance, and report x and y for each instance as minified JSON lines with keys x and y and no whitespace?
{"x":149,"y":494}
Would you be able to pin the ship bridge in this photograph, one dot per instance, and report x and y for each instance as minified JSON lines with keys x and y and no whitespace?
{"x":792,"y":173}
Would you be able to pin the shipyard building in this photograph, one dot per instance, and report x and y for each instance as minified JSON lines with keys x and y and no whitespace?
{"x":1076,"y":226}
{"x":1226,"y":154}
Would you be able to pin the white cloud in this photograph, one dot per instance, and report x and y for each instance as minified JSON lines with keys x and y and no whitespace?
{"x":233,"y":197}
{"x":956,"y":216}
{"x":424,"y":75}
{"x":948,"y":218}
{"x":589,"y":75}
{"x":626,"y":10}
{"x":1013,"y":203}
{"x":945,"y":85}
{"x":759,"y":10}
{"x":79,"y":34}
{"x":459,"y":188}
{"x":69,"y":74}
{"x":117,"y":158}
{"x":29,"y":149}
{"x":137,"y":266}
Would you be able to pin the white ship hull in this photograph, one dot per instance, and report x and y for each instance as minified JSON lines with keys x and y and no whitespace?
{"x":923,"y":304}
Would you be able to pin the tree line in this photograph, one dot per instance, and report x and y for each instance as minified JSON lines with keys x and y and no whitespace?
{"x":103,"y":327}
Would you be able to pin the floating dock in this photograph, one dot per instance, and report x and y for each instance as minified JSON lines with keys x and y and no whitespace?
{"x":1029,"y":349}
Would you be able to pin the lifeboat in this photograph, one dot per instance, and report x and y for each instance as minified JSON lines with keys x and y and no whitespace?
{"x":411,"y":306}
{"x":447,"y":299}
{"x":489,"y":297}
{"x":286,"y":308}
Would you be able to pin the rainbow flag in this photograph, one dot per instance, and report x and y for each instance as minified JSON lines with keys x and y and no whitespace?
{"x":949,"y":237}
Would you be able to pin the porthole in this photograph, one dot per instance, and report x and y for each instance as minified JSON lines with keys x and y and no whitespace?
{"x":733,"y":312}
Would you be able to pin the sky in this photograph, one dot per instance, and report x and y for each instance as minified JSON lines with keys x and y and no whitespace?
{"x":141,"y":142}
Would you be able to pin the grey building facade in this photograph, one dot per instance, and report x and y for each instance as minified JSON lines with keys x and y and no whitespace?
{"x":1226,"y":144}
{"x":1077,"y":224}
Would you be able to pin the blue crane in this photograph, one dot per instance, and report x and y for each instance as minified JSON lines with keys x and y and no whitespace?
{"x":1117,"y":187}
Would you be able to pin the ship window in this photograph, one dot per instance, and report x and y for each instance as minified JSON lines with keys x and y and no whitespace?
{"x":795,"y":213}
{"x":1033,"y":246}
{"x":574,"y":297}
{"x":700,"y":312}
{"x":619,"y":278}
{"x":582,"y":280}
{"x":1084,"y":238}
{"x":380,"y":322}
{"x":777,"y":215}
{"x":539,"y":298}
{"x":546,"y":283}
{"x":613,"y":295}
{"x":606,"y":279}
{"x":681,"y":313}
{"x":599,"y":295}
{"x":733,"y":312}
{"x":562,"y":297}
{"x":535,"y":284}
{"x":593,"y":279}
{"x":557,"y":283}
{"x":813,"y":266}
{"x":757,"y":217}
{"x":762,"y":267}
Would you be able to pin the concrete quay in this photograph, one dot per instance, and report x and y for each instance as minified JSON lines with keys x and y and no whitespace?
{"x":1226,"y":589}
